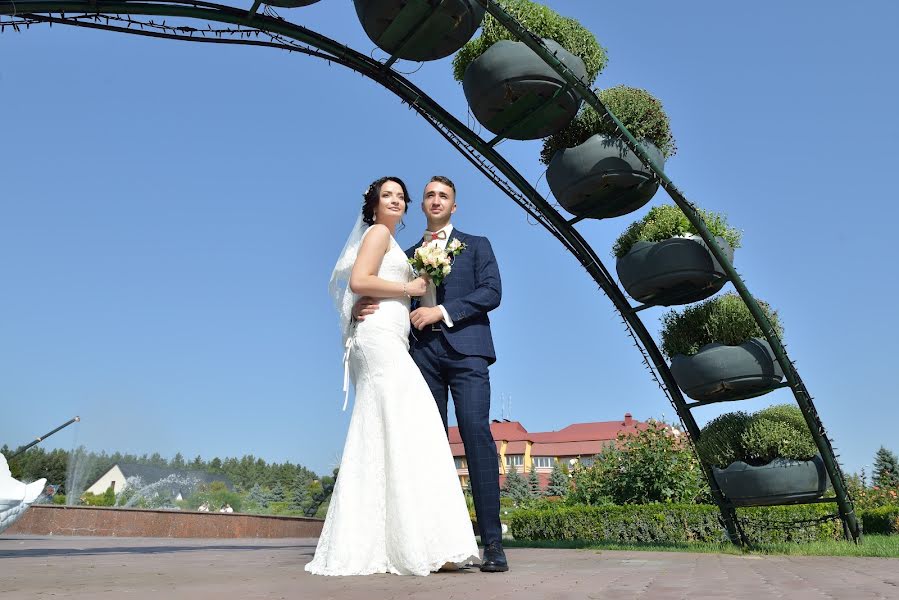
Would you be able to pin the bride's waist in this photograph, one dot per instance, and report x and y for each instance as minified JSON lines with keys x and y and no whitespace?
{"x":392,"y":313}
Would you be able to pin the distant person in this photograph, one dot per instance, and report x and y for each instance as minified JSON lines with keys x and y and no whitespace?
{"x":203,"y":507}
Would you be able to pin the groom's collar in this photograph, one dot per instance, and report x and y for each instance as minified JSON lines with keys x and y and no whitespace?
{"x":448,"y":229}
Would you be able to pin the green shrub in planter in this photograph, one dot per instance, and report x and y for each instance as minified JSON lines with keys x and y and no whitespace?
{"x":724,"y":319}
{"x":544,"y":22}
{"x":669,"y":221}
{"x":638,"y":110}
{"x":720,"y":441}
{"x":775,"y":432}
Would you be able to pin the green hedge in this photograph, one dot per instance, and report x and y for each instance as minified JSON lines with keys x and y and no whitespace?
{"x":670,"y":523}
{"x":883,"y":520}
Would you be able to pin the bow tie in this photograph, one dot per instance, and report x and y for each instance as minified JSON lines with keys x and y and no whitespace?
{"x":431,"y":236}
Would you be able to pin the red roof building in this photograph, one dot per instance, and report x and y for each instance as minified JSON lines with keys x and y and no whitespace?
{"x":516,"y":446}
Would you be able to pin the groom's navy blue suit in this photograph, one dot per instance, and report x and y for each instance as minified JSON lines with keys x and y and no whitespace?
{"x":456,"y":358}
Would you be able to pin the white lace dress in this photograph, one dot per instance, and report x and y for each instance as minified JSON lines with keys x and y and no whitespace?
{"x":397,"y":506}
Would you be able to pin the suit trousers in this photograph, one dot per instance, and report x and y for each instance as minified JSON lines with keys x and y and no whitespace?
{"x":468,"y":379}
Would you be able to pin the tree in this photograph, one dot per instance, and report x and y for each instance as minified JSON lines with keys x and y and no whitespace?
{"x":278,"y":493}
{"x":652,"y":465}
{"x":515,"y":486}
{"x":534,"y":483}
{"x":256,"y":497}
{"x":558,"y":482}
{"x":300,"y":497}
{"x":177,"y":462}
{"x":886,"y":468}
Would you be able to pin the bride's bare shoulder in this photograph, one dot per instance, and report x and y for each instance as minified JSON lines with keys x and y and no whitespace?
{"x":376,"y":236}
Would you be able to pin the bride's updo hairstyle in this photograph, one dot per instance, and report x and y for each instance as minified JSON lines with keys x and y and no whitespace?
{"x":372,"y":196}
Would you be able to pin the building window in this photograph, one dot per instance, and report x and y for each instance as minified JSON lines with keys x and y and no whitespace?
{"x":544,"y":462}
{"x":514,"y":459}
{"x":461,"y":463}
{"x":586,"y":461}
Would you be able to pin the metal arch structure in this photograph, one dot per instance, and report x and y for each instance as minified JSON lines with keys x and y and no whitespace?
{"x":482,"y":154}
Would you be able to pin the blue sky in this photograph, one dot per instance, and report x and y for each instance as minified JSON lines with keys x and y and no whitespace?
{"x":170,"y":214}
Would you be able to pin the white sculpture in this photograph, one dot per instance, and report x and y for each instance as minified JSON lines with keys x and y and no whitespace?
{"x":15,"y":496}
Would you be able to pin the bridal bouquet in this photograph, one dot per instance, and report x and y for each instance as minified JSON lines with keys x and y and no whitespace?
{"x":435,"y":262}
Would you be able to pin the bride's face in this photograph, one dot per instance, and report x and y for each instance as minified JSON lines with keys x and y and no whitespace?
{"x":391,"y":203}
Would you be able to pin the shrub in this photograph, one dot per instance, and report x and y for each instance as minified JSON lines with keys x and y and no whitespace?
{"x":107,"y":498}
{"x":673,"y":523}
{"x":883,"y":520}
{"x":543,"y":21}
{"x":650,"y":465}
{"x":776,"y":432}
{"x":668,"y":221}
{"x":724,"y":319}
{"x":775,"y":524}
{"x":638,"y":110}
{"x":215,"y":495}
{"x":876,"y":497}
{"x":719,"y":442}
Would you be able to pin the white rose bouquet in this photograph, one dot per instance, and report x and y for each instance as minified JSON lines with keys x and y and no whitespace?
{"x":435,"y":262}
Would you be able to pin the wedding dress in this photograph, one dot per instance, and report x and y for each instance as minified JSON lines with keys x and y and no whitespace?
{"x":397,"y":506}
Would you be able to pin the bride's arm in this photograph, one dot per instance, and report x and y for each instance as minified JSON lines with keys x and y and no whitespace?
{"x":364,"y":279}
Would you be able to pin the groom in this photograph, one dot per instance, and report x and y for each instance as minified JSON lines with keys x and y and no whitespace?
{"x":453,"y":348}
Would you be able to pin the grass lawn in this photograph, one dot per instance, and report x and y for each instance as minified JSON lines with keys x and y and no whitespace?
{"x":886,"y":546}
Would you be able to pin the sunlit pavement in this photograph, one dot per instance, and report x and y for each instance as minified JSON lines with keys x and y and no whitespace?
{"x":93,"y":567}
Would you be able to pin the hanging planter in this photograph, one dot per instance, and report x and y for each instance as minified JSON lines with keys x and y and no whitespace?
{"x":511,"y":91}
{"x":661,"y":260}
{"x":419,"y":29}
{"x":781,"y":481}
{"x":290,"y":3}
{"x":717,"y":351}
{"x":765,"y":458}
{"x":591,"y":171}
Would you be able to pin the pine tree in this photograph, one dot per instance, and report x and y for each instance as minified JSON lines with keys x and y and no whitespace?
{"x":886,"y":468}
{"x":257,"y":497}
{"x":515,"y":487}
{"x":558,"y":482}
{"x":278,"y":493}
{"x":300,"y":497}
{"x":534,"y":483}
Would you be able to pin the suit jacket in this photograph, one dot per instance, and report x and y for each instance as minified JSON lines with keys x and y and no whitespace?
{"x":468,"y":293}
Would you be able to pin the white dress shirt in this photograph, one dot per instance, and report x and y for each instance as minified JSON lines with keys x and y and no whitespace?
{"x":430,"y":296}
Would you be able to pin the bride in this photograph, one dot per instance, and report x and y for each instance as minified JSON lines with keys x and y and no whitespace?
{"x":397,"y":506}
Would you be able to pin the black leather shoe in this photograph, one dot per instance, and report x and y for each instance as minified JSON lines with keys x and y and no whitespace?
{"x":494,"y":560}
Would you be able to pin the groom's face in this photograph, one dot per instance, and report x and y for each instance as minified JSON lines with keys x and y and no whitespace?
{"x":439,"y":202}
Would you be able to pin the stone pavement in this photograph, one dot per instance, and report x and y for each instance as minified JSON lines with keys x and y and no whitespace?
{"x":82,"y":567}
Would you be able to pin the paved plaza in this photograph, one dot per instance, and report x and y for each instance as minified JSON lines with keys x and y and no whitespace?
{"x":92,"y":567}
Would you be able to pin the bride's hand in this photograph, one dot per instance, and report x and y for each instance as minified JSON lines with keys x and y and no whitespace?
{"x":417,"y":287}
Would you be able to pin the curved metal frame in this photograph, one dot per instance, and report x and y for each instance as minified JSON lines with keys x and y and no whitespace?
{"x":483,"y":155}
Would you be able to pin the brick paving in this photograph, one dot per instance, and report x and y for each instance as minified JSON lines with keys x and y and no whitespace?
{"x":83,"y":567}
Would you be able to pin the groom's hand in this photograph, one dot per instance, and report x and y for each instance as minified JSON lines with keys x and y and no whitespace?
{"x":366,"y":305}
{"x":426,"y":315}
